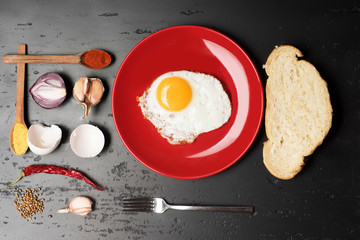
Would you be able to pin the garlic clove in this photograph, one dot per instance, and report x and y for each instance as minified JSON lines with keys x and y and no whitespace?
{"x":96,"y":91}
{"x":65,"y":210}
{"x":79,"y":205}
{"x":80,"y":89}
{"x":82,"y":211}
{"x":88,"y":91}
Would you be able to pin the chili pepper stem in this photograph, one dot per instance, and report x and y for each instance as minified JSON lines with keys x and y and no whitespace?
{"x":21,"y":176}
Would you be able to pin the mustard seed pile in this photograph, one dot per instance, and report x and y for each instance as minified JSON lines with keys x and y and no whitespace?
{"x":28,"y":204}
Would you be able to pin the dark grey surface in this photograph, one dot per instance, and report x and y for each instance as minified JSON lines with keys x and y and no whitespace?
{"x":322,"y":202}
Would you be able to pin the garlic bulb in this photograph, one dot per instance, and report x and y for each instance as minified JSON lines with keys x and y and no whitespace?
{"x":79,"y":205}
{"x":88,"y":91}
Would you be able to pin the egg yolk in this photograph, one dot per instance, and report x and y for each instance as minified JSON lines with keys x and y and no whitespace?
{"x":174,"y":93}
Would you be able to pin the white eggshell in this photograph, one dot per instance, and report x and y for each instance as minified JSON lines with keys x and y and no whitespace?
{"x":87,"y":141}
{"x":43,"y":139}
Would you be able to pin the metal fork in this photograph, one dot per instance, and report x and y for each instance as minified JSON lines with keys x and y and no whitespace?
{"x":158,"y":205}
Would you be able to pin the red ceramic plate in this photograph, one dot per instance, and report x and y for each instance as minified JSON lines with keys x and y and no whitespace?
{"x":198,"y":49}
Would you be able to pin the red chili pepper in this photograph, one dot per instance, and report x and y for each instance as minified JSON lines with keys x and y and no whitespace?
{"x":55,"y":170}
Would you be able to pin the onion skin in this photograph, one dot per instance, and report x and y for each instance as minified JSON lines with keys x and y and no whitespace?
{"x":49,"y":90}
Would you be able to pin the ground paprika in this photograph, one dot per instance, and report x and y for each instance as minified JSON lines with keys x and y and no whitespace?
{"x":96,"y":59}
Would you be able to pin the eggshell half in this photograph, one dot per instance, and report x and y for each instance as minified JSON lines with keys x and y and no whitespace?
{"x":43,"y":139}
{"x":87,"y":141}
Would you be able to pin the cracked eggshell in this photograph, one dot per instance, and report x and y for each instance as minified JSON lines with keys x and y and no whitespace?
{"x":42,"y":139}
{"x":87,"y":141}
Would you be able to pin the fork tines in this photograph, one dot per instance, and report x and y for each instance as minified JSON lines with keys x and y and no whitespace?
{"x":138,"y":204}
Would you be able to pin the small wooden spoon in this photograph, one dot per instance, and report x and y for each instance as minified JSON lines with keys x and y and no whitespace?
{"x":99,"y":57}
{"x":19,"y":117}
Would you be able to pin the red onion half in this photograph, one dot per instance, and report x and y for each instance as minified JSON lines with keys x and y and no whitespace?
{"x":49,"y":90}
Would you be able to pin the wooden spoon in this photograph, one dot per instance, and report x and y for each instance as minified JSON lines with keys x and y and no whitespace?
{"x":99,"y":59}
{"x":16,"y":137}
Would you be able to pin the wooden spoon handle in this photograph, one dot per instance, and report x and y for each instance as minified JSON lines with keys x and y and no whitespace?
{"x":41,"y":58}
{"x":19,"y":117}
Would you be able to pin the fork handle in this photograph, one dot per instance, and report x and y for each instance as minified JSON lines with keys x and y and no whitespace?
{"x":239,"y":209}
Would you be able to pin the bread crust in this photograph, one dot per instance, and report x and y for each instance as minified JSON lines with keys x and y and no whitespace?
{"x":298,"y":112}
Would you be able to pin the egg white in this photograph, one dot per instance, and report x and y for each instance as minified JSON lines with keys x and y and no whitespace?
{"x":209,"y":108}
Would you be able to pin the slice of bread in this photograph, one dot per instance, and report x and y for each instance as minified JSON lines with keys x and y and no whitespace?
{"x":298,"y":111}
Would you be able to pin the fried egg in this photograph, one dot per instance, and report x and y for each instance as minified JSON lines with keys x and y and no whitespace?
{"x":184,"y":104}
